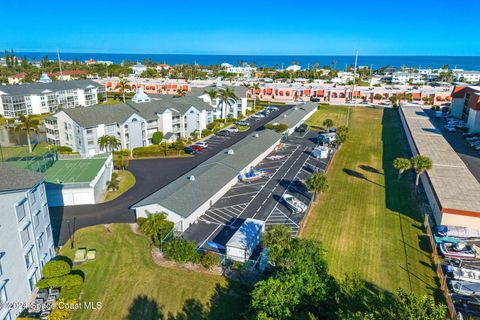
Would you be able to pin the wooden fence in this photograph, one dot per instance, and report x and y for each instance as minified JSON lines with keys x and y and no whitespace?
{"x":438,"y":266}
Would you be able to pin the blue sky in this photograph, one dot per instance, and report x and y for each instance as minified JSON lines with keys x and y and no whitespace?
{"x":421,"y":27}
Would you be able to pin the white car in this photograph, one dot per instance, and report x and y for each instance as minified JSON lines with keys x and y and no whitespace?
{"x":202,"y":144}
{"x":258,"y":115}
{"x":232,"y":129}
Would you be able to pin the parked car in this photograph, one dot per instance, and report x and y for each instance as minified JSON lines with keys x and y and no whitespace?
{"x":258,"y":115}
{"x":196,"y":147}
{"x":223,"y":133}
{"x":189,"y":150}
{"x":474,"y":138}
{"x":243,"y":123}
{"x":272,"y":108}
{"x":202,"y":144}
{"x":233,"y":130}
{"x":450,"y":128}
{"x":301,"y":128}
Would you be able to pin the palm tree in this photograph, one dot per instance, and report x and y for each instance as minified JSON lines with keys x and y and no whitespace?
{"x":255,"y":87}
{"x":328,"y":123}
{"x":108,"y":143}
{"x":402,"y":165}
{"x":317,"y":182}
{"x":156,"y":226}
{"x":224,"y":95}
{"x":113,"y":184}
{"x":29,"y":124}
{"x":123,"y":86}
{"x":181,"y":92}
{"x":212,"y":94}
{"x":420,"y":164}
{"x":103,"y":142}
{"x":113,"y":143}
{"x":334,"y":64}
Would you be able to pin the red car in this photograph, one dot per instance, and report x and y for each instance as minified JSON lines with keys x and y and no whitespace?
{"x":196,"y":148}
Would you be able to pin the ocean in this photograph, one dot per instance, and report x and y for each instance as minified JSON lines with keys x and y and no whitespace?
{"x":460,"y":62}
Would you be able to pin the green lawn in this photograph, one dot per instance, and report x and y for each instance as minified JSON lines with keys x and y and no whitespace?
{"x":337,"y":113}
{"x":75,"y":170}
{"x":368,"y":220}
{"x":130,"y":286}
{"x":14,"y":153}
{"x":127,"y":180}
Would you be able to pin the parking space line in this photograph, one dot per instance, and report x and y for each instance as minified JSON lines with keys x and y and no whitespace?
{"x":240,"y":194}
{"x":240,"y":185}
{"x":219,"y":215}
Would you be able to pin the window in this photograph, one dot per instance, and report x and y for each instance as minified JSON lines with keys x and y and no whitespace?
{"x":20,"y":209}
{"x":36,"y":219}
{"x":40,"y":241}
{"x":29,"y":258}
{"x":49,"y":231}
{"x":25,"y":235}
{"x":45,"y":210}
{"x":32,"y":281}
{"x":3,"y":293}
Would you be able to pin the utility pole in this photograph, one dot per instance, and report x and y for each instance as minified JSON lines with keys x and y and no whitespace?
{"x":354,"y":86}
{"x":59,"y":64}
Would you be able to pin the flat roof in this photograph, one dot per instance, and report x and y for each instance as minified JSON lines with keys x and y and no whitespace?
{"x":247,"y":232}
{"x":453,"y":183}
{"x":74,"y":171}
{"x":183,"y":196}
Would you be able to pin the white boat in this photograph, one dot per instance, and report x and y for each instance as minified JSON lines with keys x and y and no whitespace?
{"x":275,"y":157}
{"x":465,"y":288}
{"x":464,"y":274}
{"x":458,"y":232}
{"x":459,"y":250}
{"x":295,"y":205}
{"x":253,"y":175}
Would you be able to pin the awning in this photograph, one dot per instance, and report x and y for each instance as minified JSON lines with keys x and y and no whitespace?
{"x":417,"y":96}
{"x":306,"y":92}
{"x":268,"y":91}
{"x":320,"y":93}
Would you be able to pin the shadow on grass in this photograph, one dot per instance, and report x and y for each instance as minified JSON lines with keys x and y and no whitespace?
{"x":359,"y":175}
{"x":370,"y":169}
{"x":399,"y":193}
{"x":228,"y":302}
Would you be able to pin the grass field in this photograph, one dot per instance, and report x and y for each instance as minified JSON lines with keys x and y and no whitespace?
{"x":127,"y":180}
{"x":369,"y":221}
{"x":337,"y":114}
{"x":130,"y":286}
{"x":18,"y":152}
{"x":78,"y":170}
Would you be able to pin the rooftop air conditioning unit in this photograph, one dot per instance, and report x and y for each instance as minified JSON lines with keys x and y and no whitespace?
{"x":231,"y":151}
{"x":191,"y":178}
{"x":284,"y":115}
{"x":256,"y":135}
{"x":296,"y":108}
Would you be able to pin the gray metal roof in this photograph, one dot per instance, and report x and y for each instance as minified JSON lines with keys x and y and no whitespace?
{"x":246,"y":234}
{"x":119,"y":113}
{"x":12,"y":178}
{"x":453,"y":183}
{"x":38,"y":88}
{"x":183,"y":196}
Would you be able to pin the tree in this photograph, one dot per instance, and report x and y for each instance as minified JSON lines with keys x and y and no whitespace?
{"x":402,"y":165}
{"x":328,"y":123}
{"x":277,"y":239}
{"x":108,"y":143}
{"x":157,"y":137}
{"x":123,"y":86}
{"x":114,"y":183}
{"x":255,"y":86}
{"x":378,"y":96}
{"x":420,"y":164}
{"x":342,"y":134}
{"x":156,"y":226}
{"x":394,"y":100}
{"x":212,"y":94}
{"x":29,"y":124}
{"x":317,"y":182}
{"x":224,"y":95}
{"x":181,"y":92}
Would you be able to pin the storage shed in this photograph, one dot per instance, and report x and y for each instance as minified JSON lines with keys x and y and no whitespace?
{"x":244,"y":241}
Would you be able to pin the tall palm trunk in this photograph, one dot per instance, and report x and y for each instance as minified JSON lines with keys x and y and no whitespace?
{"x":29,"y":142}
{"x":123,"y":93}
{"x":399,"y":174}
{"x":225,"y":107}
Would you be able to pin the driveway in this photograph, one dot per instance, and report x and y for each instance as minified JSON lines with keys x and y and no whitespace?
{"x":151,"y":175}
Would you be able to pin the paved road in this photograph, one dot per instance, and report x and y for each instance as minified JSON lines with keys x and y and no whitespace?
{"x":151,"y":175}
{"x":469,"y":156}
{"x":261,"y":199}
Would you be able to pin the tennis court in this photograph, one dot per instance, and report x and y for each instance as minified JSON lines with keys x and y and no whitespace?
{"x":77,"y":170}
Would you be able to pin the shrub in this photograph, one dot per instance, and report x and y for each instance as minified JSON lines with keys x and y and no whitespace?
{"x":123,"y":152}
{"x":69,"y":280}
{"x":64,"y":149}
{"x":157,"y":137}
{"x":140,"y":221}
{"x":182,"y":251}
{"x":62,"y":313}
{"x":209,"y":259}
{"x":277,"y":127}
{"x":56,"y":267}
{"x":206,"y":132}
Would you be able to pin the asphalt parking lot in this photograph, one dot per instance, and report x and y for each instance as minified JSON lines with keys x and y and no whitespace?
{"x":261,"y":199}
{"x":470,"y":157}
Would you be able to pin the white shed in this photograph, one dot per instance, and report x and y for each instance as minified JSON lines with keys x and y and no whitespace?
{"x":244,"y":241}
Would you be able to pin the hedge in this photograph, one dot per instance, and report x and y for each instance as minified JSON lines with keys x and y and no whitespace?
{"x":182,"y":251}
{"x":69,"y":280}
{"x":56,"y":268}
{"x":64,"y":149}
{"x":209,"y":259}
{"x":277,"y":127}
{"x":155,"y":150}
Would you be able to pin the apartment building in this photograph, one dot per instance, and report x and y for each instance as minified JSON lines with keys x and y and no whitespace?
{"x":467,"y":76}
{"x":407,"y":77}
{"x":45,"y":97}
{"x":26,"y":241}
{"x":466,"y":105}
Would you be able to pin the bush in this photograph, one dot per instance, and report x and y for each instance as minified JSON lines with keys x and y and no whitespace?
{"x":62,"y":313}
{"x":56,"y":267}
{"x":63,"y":149}
{"x":157,"y":137}
{"x":182,"y":251}
{"x":206,"y":132}
{"x":140,"y":221}
{"x":209,"y":260}
{"x":69,"y":280}
{"x":123,"y":152}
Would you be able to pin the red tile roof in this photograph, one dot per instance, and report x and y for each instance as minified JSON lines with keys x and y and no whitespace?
{"x":458,"y":92}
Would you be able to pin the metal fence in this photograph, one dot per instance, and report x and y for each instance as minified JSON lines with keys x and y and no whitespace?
{"x":438,"y":268}
{"x":34,"y":163}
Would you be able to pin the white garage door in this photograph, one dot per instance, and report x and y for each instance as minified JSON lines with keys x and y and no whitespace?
{"x":83,"y":198}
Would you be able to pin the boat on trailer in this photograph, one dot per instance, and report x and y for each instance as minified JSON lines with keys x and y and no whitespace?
{"x":463,"y":274}
{"x":458,"y":232}
{"x":465,"y":288}
{"x":295,"y":205}
{"x":459,"y":250}
{"x":253,"y":175}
